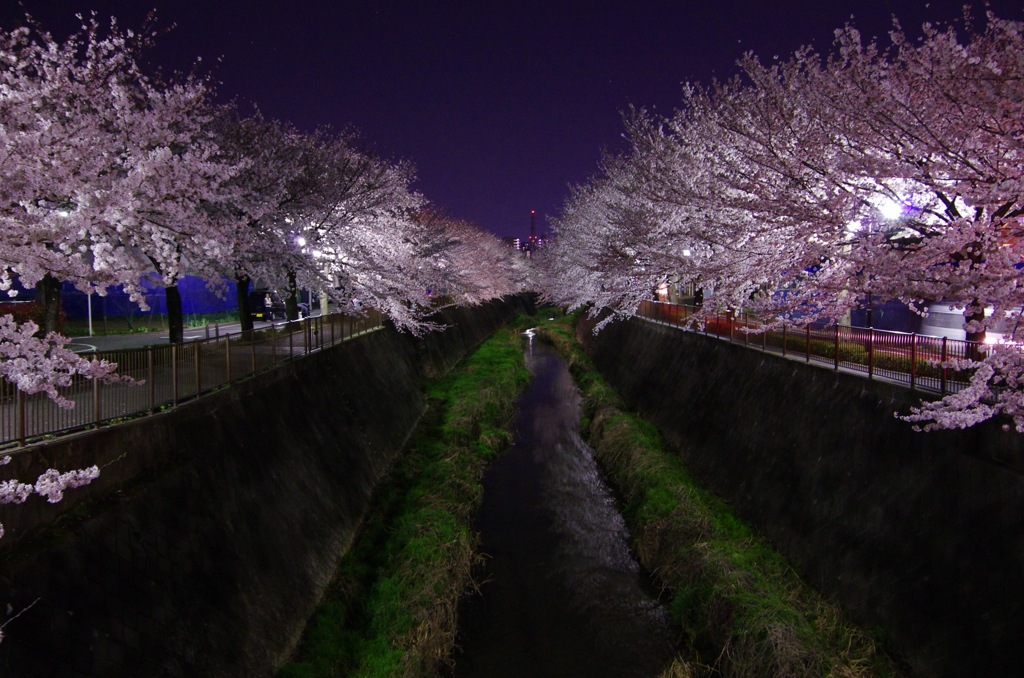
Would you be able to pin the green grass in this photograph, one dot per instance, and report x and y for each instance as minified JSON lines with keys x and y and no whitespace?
{"x":743,"y":610}
{"x":390,"y":610}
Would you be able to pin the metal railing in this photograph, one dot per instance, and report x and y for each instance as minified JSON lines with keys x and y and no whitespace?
{"x":913,"y":359}
{"x":169,"y":375}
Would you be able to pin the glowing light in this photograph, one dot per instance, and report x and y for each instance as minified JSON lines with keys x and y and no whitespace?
{"x":891,"y":210}
{"x":301,"y":241}
{"x":686,"y":253}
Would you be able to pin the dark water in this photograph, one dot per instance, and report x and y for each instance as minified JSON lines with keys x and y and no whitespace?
{"x":563,"y":596}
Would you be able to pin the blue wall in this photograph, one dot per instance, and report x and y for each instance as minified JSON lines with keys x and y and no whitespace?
{"x":196,"y":297}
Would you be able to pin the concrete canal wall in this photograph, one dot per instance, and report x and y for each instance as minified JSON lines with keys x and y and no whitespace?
{"x":920,"y":535}
{"x":215,"y":527}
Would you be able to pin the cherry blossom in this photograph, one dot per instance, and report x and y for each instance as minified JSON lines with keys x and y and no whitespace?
{"x":50,"y":484}
{"x":802,"y":188}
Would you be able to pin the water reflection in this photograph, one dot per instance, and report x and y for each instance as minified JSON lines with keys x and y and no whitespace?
{"x":563,"y":595}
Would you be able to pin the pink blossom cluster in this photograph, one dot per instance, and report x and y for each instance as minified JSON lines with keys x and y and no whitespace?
{"x":804,"y":188}
{"x":50,"y":484}
{"x":43,"y":365}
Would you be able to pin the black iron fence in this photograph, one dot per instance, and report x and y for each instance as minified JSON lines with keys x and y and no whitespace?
{"x":913,"y":359}
{"x":168,"y":375}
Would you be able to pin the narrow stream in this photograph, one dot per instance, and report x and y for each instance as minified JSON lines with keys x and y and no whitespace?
{"x":562,"y":595}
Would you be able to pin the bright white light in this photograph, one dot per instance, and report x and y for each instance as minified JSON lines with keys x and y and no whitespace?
{"x":317,"y":253}
{"x":854,"y":227}
{"x":63,"y":213}
{"x":891,"y":210}
{"x":686,"y":253}
{"x":301,"y":241}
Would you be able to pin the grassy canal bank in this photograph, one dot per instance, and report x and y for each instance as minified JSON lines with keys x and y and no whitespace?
{"x":391,"y":608}
{"x":742,"y":609}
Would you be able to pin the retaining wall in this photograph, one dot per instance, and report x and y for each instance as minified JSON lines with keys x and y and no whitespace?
{"x":920,"y":535}
{"x":214,"y":528}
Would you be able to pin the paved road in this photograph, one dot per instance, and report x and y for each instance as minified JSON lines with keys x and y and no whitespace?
{"x":114,"y":342}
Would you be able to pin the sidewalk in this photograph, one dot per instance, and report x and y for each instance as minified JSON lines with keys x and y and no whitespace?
{"x":115,"y":342}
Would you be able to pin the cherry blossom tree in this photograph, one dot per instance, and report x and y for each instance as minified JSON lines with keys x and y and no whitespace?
{"x":803,"y":188}
{"x":110,"y":172}
{"x":347,"y":226}
{"x":268,"y":184}
{"x":473,"y":266}
{"x":54,"y":183}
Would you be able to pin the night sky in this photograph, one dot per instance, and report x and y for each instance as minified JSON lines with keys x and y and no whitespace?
{"x":500,"y":105}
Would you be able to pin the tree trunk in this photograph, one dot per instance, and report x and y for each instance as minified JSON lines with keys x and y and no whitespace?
{"x":973,"y":351}
{"x":48,"y":295}
{"x":291,"y":300}
{"x":242,"y":295}
{"x":175,"y":321}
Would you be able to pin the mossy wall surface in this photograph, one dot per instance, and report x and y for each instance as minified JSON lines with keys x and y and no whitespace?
{"x":212,"y":536}
{"x":918,"y":534}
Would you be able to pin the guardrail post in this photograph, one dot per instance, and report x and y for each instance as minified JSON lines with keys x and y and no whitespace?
{"x":913,"y":360}
{"x":808,"y":346}
{"x":174,"y":373}
{"x":20,"y":433}
{"x":199,"y":369}
{"x":252,"y":349}
{"x":152,"y":380}
{"x":945,"y":357}
{"x":728,"y":318}
{"x":95,"y":401}
{"x":783,"y":338}
{"x":227,"y":357}
{"x":871,"y":354}
{"x":746,"y":323}
{"x":837,"y":346}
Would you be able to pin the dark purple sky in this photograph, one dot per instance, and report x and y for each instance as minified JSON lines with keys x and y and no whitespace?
{"x":500,"y":105}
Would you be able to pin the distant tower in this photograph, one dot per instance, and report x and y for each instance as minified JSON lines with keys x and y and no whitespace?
{"x":532,"y":244}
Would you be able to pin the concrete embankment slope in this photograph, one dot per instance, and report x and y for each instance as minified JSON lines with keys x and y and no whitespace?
{"x":920,"y":535}
{"x":214,"y":531}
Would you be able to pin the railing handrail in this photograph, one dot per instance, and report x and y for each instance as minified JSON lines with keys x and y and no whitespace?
{"x":175,"y":373}
{"x":886,"y":351}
